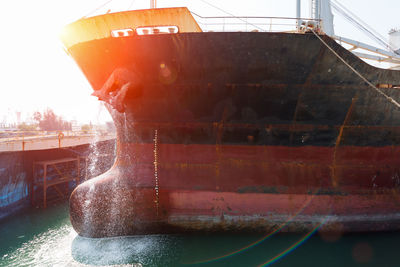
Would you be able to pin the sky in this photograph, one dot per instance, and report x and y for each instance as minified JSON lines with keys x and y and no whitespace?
{"x":36,"y":73}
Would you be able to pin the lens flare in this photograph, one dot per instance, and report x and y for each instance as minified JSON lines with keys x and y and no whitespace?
{"x":275,"y":231}
{"x":294,"y":246}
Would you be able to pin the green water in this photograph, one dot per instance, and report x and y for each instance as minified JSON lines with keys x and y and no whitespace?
{"x":45,"y":238}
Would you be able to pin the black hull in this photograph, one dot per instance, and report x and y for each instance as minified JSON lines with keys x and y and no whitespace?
{"x":248,"y":82}
{"x":236,"y":116}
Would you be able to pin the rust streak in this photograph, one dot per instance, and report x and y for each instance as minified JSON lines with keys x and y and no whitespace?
{"x":220,"y":130}
{"x":338,"y":140}
{"x":307,"y":84}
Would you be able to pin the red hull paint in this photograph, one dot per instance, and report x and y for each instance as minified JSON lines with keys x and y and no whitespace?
{"x":234,"y":204}
{"x":220,"y":187}
{"x":287,"y":212}
{"x":285,"y":169}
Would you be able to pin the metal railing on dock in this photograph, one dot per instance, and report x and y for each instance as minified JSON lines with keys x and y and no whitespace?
{"x":38,"y":140}
{"x":54,"y":173}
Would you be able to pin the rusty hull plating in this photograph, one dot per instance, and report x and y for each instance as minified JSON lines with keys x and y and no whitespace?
{"x":239,"y":132}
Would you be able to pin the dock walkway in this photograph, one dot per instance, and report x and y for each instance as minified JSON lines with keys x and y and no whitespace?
{"x":40,"y":142}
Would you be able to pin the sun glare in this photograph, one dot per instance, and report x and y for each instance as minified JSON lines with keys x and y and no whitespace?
{"x":36,"y":72}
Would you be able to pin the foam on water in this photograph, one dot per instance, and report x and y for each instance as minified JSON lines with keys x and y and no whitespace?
{"x":50,"y":248}
{"x":150,"y":250}
{"x":63,"y":247}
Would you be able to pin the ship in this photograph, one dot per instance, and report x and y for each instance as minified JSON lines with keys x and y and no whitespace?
{"x":236,"y":131}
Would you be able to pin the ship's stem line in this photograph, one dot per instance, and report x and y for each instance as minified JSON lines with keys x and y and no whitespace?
{"x":390,"y":99}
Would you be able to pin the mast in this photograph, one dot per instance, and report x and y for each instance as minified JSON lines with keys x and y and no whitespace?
{"x":298,"y":13}
{"x":153,"y":4}
{"x":320,"y":10}
{"x":394,"y":40}
{"x":315,"y":8}
{"x":326,"y":17}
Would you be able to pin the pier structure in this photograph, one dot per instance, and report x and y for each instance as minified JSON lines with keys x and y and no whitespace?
{"x":24,"y":158}
{"x":50,"y":141}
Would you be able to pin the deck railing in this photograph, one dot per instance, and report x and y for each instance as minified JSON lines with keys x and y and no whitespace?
{"x":252,"y":23}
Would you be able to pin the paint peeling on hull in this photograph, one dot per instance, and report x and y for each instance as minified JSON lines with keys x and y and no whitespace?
{"x":329,"y":223}
{"x":134,"y":211}
{"x":208,"y":220}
